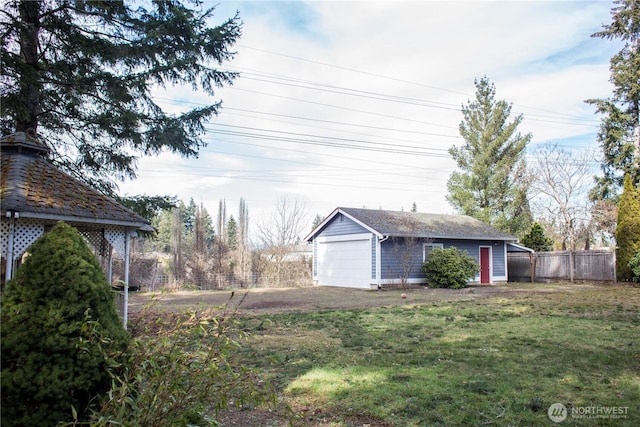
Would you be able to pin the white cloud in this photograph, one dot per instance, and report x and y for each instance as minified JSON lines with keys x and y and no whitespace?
{"x":426,"y":54}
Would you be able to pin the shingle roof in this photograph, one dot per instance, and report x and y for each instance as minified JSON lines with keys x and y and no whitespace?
{"x":404,"y":224}
{"x":34,"y":187}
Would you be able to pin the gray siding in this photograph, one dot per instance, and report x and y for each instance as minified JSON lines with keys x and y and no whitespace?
{"x":341,"y":225}
{"x":391,"y":256}
{"x":392,"y":252}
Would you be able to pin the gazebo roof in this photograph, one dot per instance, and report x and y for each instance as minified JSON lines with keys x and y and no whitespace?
{"x":35,"y":188}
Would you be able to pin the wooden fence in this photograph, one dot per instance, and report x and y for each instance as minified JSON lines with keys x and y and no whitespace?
{"x":588,"y":265}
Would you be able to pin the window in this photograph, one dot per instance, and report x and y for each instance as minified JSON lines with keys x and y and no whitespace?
{"x":427,"y":248}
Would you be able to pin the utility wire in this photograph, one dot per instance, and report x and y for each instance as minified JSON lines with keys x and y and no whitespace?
{"x":555,"y":113}
{"x":327,"y":140}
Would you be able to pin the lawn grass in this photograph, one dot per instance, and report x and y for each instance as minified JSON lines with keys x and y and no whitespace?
{"x":490,"y":361}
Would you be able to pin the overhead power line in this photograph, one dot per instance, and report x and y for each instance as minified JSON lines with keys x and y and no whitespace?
{"x":555,"y":114}
{"x":327,"y":141}
{"x":406,"y":119}
{"x":351,"y":69}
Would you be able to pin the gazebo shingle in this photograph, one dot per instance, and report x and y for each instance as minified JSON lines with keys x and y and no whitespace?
{"x":32,"y":186}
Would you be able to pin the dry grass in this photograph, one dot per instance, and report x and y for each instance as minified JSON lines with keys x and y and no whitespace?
{"x":291,"y":300}
{"x":497,"y":355}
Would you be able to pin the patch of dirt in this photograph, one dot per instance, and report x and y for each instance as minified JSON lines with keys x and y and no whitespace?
{"x":259,"y":301}
{"x":304,"y":417}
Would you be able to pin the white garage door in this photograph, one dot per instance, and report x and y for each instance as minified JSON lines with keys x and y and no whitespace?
{"x":345,"y":262}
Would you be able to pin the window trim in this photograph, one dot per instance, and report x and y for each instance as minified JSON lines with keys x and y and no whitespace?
{"x":432,"y":245}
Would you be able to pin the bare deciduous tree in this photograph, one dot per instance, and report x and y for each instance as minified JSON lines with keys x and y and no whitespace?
{"x":405,"y":248}
{"x":280,"y":232}
{"x":604,"y":216}
{"x":244,"y":250}
{"x":177,"y":244}
{"x":561,"y":185}
{"x":220,"y":246}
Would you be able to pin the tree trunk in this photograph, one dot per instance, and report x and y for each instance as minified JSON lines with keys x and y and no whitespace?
{"x":31,"y":84}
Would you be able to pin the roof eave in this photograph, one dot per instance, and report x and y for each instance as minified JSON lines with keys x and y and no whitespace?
{"x":430,"y":236}
{"x":139,"y":225}
{"x":522,"y":248}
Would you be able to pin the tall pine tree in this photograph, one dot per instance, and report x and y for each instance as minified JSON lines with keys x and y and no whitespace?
{"x":81,"y":75}
{"x":619,"y":134}
{"x":628,"y":229}
{"x":491,"y":184}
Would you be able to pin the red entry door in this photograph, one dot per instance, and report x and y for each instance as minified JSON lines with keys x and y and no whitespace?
{"x":485,"y":265}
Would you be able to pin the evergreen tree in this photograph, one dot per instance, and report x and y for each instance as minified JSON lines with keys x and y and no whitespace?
{"x":163,"y":223}
{"x":189,"y":216}
{"x":209,"y":231}
{"x":81,"y":74}
{"x":232,"y":233}
{"x":150,"y":207}
{"x":50,"y":360}
{"x":316,"y":221}
{"x":619,"y":134}
{"x":491,"y":184}
{"x":536,"y":239}
{"x":627,"y":230}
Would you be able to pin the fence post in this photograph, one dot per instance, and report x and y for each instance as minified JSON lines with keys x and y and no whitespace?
{"x":572,"y":264}
{"x":532,"y":265}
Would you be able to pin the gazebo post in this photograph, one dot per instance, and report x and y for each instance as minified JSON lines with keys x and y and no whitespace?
{"x":12,"y":230}
{"x":127,"y":255}
{"x":110,"y":266}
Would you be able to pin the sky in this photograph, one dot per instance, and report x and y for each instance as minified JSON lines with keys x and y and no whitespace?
{"x":355,"y":104}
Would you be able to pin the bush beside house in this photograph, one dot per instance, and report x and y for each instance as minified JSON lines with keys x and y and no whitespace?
{"x":449,"y":268}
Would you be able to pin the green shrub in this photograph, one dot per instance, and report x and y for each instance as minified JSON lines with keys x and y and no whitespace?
{"x":634,"y":265}
{"x":627,"y":229}
{"x":51,"y":362}
{"x":449,"y":268}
